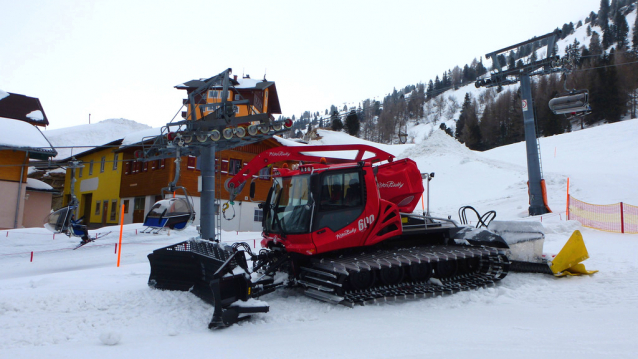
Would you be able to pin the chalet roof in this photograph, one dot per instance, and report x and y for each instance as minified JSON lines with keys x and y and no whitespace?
{"x":245,"y":84}
{"x":23,"y":108}
{"x":23,"y":136}
{"x":113,"y":145}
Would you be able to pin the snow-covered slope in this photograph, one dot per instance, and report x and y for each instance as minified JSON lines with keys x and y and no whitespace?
{"x":90,"y":135}
{"x":70,"y":304}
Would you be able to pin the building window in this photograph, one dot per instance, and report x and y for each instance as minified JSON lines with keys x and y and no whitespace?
{"x":213,"y":94}
{"x":162,"y":163}
{"x":113,"y":209}
{"x":259,"y":215}
{"x":91,"y":168}
{"x":138,"y":205}
{"x":145,"y":167}
{"x":80,"y":172}
{"x":97,"y":208}
{"x":126,"y":205}
{"x":102,"y":164}
{"x":127,"y":168}
{"x":191,"y":162}
{"x":264,"y":173}
{"x":234,"y":166}
{"x":115,"y":158}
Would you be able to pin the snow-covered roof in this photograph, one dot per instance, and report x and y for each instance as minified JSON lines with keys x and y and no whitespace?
{"x":37,"y":185}
{"x":139,"y":136}
{"x":95,"y":134}
{"x":242,"y":83}
{"x":286,"y":142}
{"x":21,"y":107}
{"x":20,"y":135}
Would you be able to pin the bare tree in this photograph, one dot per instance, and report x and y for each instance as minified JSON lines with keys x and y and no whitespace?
{"x":453,"y":106}
{"x":439,"y":104}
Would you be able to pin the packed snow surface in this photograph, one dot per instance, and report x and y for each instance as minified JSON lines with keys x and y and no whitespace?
{"x":71,"y":304}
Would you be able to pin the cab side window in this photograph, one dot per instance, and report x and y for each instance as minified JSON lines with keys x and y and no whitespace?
{"x":341,"y":190}
{"x":341,"y":200}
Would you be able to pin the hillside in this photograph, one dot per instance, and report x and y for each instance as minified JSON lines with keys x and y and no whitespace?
{"x":604,"y":63}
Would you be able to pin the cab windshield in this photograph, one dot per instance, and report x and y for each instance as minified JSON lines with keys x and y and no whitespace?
{"x":289,"y":206}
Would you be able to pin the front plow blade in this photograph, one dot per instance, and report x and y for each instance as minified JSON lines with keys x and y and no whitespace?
{"x":567,"y":261}
{"x":212,"y":271}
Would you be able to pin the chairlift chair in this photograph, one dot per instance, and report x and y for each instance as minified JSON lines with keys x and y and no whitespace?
{"x":175,"y":213}
{"x":61,"y":221}
{"x":572,"y":104}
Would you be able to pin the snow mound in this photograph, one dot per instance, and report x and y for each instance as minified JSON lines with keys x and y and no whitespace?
{"x":110,"y":338}
{"x":562,"y":227}
{"x":438,"y":143}
{"x":328,"y":137}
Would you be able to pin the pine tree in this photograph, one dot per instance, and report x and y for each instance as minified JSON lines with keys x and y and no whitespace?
{"x":594,"y":44}
{"x":621,"y":30}
{"x":352,"y":124}
{"x":472,"y":131}
{"x":460,"y":123}
{"x":603,"y":22}
{"x":603,"y":14}
{"x":336,"y":123}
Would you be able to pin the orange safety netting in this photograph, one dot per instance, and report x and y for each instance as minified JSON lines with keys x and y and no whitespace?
{"x":630,"y":214}
{"x":618,"y":217}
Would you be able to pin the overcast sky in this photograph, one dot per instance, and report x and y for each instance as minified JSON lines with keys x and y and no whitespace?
{"x":122,"y":59}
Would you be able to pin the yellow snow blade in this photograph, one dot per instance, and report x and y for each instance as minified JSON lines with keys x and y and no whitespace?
{"x":567,"y":261}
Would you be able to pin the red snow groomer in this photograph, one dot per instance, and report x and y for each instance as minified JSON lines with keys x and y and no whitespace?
{"x":340,"y":226}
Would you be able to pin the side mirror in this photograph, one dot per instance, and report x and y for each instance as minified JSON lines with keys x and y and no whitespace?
{"x":252,"y":190}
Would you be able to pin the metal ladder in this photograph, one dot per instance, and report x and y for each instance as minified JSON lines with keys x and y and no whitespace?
{"x":538,"y":142}
{"x":218,"y":194}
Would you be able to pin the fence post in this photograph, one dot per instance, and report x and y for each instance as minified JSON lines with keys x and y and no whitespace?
{"x":622,"y":219}
{"x":567,"y":209}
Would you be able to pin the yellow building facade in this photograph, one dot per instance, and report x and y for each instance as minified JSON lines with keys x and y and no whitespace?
{"x":97,"y":185}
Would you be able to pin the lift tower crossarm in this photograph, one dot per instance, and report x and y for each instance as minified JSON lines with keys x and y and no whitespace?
{"x":550,"y":45}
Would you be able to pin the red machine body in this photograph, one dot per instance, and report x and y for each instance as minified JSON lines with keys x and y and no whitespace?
{"x":313,"y":197}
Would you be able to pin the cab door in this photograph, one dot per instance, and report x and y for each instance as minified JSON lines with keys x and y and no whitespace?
{"x":341,"y":204}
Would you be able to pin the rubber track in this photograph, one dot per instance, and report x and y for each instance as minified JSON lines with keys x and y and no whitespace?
{"x":323,"y":274}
